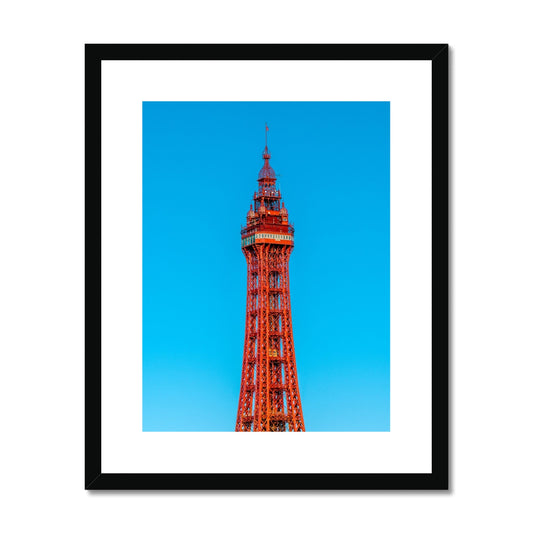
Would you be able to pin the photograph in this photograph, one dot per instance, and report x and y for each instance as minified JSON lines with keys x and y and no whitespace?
{"x":237,"y":195}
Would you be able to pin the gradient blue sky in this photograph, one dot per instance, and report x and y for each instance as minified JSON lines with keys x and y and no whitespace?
{"x":200,"y":166}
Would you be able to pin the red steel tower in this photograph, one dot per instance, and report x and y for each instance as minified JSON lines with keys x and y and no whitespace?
{"x":269,"y":398}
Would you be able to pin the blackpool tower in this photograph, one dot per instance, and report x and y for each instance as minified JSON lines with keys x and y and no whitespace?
{"x":269,"y":399}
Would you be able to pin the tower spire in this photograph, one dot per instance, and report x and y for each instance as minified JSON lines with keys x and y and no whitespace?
{"x":267,"y":175}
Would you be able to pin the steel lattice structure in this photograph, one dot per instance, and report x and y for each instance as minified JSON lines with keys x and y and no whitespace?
{"x":269,"y":398}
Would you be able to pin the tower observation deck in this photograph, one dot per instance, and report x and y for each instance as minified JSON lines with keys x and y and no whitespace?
{"x":269,"y":398}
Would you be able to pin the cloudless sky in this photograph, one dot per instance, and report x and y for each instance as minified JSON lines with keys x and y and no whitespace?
{"x":200,"y":165}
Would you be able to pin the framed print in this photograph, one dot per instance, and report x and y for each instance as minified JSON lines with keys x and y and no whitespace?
{"x":266,"y":267}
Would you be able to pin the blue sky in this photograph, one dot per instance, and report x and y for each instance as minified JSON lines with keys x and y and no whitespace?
{"x":200,"y":166}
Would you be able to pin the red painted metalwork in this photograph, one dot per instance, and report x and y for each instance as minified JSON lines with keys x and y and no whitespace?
{"x":270,"y":397}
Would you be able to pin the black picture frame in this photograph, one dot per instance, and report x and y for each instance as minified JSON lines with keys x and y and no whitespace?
{"x":438,"y":478}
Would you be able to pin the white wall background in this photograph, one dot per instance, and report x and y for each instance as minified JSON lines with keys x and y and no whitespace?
{"x":41,"y":263}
